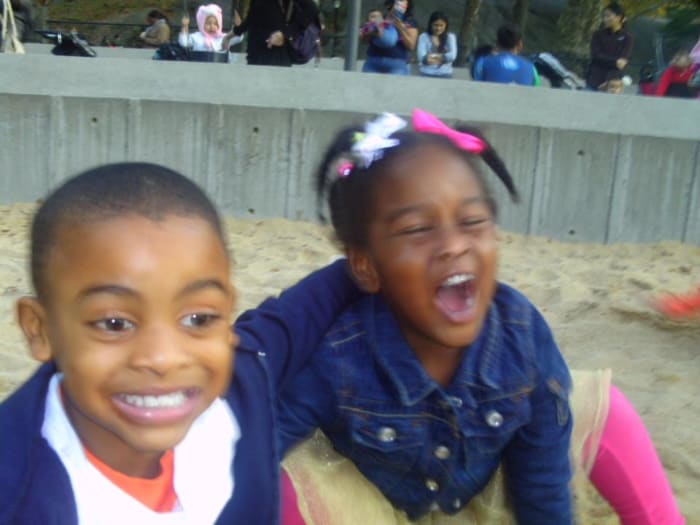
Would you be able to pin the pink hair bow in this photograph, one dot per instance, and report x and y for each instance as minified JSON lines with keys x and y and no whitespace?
{"x":425,"y":122}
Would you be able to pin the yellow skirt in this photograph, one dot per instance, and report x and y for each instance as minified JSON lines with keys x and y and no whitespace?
{"x":331,"y":491}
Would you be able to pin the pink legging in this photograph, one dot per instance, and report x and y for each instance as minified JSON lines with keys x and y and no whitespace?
{"x":627,"y":471}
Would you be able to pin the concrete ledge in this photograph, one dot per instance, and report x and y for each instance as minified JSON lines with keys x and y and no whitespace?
{"x":590,"y":166}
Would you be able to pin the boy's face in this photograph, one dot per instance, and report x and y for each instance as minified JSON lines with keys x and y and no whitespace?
{"x":138,"y":320}
{"x":432,"y":250}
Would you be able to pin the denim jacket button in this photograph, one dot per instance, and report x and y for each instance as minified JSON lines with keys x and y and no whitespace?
{"x":455,"y":401}
{"x":386,"y":434}
{"x":434,"y":507}
{"x":442,"y":452}
{"x":457,"y":503}
{"x":432,"y":485}
{"x":494,"y":419}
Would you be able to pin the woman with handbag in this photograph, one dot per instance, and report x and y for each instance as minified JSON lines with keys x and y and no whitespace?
{"x":272,"y":25}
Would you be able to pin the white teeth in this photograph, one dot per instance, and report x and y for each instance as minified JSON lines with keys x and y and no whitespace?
{"x":175,"y":399}
{"x":460,"y":278}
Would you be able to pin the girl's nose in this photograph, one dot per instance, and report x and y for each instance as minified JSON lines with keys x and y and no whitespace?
{"x":453,"y":242}
{"x":160,"y":349}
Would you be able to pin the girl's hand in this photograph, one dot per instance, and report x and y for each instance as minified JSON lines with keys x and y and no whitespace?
{"x":236,"y":18}
{"x":185,"y":22}
{"x":276,"y":39}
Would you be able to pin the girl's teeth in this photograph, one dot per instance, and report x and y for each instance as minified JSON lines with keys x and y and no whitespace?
{"x":165,"y":401}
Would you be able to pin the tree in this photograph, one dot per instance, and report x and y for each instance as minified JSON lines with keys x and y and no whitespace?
{"x":520,"y":8}
{"x":577,"y":23}
{"x":467,"y":31}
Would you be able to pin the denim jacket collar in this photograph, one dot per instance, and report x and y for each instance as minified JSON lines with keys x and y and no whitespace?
{"x":481,"y":365}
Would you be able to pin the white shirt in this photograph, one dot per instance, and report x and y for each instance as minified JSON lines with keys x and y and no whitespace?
{"x":203,"y":479}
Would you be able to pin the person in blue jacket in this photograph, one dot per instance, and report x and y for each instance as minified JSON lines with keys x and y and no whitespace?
{"x":505,"y":65}
{"x":136,"y":414}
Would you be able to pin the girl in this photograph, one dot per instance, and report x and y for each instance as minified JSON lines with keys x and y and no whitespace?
{"x":209,"y":37}
{"x":391,"y":43}
{"x":437,"y":48}
{"x":442,"y":373}
{"x":611,"y":46}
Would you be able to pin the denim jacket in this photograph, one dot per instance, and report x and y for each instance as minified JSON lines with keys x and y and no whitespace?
{"x":426,"y":446}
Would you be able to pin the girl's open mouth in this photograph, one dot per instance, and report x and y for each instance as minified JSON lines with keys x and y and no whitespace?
{"x":158,"y":408}
{"x":456,"y":297}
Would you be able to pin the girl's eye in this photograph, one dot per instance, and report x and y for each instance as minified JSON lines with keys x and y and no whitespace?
{"x":199,"y":320}
{"x":114,"y":324}
{"x":418,"y":228}
{"x":474,"y":223}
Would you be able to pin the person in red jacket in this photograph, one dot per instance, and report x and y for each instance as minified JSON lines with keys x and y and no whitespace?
{"x":674,"y":81}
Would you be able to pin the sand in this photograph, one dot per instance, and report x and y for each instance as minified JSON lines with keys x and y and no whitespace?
{"x":594,"y":296}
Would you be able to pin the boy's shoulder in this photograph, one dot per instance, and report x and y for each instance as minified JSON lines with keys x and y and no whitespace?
{"x":512,"y":303}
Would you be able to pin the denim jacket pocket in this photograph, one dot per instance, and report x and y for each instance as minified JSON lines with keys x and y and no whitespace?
{"x":496,"y":421}
{"x":395,"y":442}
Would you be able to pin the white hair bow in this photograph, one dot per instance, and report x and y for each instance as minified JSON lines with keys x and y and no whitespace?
{"x":370,"y":145}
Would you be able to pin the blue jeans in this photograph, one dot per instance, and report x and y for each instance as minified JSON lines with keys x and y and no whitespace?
{"x":391,"y":66}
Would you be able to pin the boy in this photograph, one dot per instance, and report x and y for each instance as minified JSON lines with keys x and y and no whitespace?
{"x":134,"y":418}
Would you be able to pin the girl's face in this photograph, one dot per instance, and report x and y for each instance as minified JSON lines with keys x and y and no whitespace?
{"x":432,"y":249}
{"x":211,"y":25}
{"x":438,"y":27}
{"x":612,"y":20}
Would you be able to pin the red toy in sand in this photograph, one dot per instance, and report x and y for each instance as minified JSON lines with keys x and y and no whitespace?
{"x":684,"y":306}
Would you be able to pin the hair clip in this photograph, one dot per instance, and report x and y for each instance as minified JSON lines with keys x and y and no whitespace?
{"x":345,"y":168}
{"x":370,"y":145}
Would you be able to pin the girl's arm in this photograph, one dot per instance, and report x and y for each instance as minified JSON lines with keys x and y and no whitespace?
{"x":537,"y":460}
{"x":451,"y":53}
{"x":183,"y":38}
{"x":423,"y":47}
{"x":289,"y":328}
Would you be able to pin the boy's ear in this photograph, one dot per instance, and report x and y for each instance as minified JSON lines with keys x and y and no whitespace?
{"x":363,"y":269}
{"x":31,"y":316}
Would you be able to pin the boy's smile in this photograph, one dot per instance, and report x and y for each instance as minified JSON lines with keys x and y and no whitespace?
{"x":137,"y":317}
{"x":432,"y":250}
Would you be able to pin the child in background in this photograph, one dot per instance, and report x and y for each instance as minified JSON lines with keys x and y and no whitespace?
{"x":382,"y":33}
{"x":442,"y":373}
{"x":210,"y":36}
{"x":614,"y":83}
{"x":437,"y":47}
{"x":134,"y":418}
{"x":674,"y":80}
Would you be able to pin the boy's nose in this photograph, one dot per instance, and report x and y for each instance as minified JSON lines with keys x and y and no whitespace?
{"x":160,"y":349}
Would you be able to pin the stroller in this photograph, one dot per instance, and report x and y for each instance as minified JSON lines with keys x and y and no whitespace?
{"x":548,"y":66}
{"x":68,"y":44}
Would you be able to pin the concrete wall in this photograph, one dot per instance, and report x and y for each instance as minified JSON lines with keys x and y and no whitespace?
{"x":590,"y":166}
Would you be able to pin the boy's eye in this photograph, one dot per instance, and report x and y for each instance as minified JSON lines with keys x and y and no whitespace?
{"x":199,"y":320}
{"x":114,"y":324}
{"x":416,"y":228}
{"x":475,"y":223}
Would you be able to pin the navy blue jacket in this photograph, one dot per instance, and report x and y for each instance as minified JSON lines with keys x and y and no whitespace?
{"x":426,"y":446}
{"x":276,"y":340}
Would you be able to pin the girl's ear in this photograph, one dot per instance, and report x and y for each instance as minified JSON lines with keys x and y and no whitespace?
{"x":363,"y":269}
{"x":31,"y":316}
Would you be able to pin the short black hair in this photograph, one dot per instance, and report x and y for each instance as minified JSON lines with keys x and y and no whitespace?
{"x":157,"y":14}
{"x":350,"y":197}
{"x":112,"y":191}
{"x":616,"y":8}
{"x":508,"y":36}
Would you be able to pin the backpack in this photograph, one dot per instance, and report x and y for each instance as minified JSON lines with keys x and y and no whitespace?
{"x":170,"y":52}
{"x":306,"y":44}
